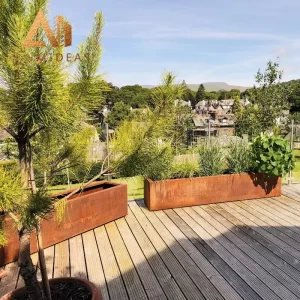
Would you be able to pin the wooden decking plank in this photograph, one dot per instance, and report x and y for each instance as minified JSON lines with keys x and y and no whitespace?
{"x":112,"y":273}
{"x":199,"y":278}
{"x":253,"y":281}
{"x":161,"y":272}
{"x":150,"y":283}
{"x":271,"y":226}
{"x":77,"y":258}
{"x":223,"y":268}
{"x":9,"y":282}
{"x":287,"y":220}
{"x":294,"y":189}
{"x":247,"y":218}
{"x":249,"y":237}
{"x":49,"y":257}
{"x":283,"y":205}
{"x":61,"y":260}
{"x":226,"y":290}
{"x":282,"y":284}
{"x":93,"y":263}
{"x":286,"y":191}
{"x":181,"y":277}
{"x":131,"y":279}
{"x":268,"y":284}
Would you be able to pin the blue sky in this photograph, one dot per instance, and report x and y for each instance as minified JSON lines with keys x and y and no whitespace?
{"x":200,"y":41}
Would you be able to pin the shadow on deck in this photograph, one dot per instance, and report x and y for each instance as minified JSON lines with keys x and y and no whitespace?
{"x":238,"y":250}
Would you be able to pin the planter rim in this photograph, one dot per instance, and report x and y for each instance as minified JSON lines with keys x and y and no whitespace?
{"x":96,"y":294}
{"x":93,"y":184}
{"x":213,"y":176}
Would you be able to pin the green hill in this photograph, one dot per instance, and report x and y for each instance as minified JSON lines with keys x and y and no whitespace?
{"x":211,"y":86}
{"x":217,"y":86}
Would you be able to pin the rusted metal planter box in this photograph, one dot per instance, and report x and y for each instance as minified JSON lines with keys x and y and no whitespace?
{"x":99,"y":203}
{"x":207,"y":190}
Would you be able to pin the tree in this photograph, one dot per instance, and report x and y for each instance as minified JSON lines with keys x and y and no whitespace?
{"x":211,"y":96}
{"x":224,"y":95}
{"x":237,"y":108}
{"x":200,"y":95}
{"x":182,"y":123}
{"x":143,"y":145}
{"x":35,"y":101}
{"x":188,"y":95}
{"x":235,"y":94}
{"x":294,"y":97}
{"x":133,"y":95}
{"x":270,"y":95}
{"x":268,"y":100}
{"x":118,"y":114}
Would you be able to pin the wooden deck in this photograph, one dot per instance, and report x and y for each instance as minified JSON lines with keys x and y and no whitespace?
{"x":239,"y":250}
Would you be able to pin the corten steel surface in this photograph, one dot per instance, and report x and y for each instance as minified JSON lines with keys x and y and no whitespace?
{"x":99,"y":203}
{"x":207,"y":190}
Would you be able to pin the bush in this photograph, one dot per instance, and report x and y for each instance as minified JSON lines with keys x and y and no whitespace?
{"x":151,"y":160}
{"x":211,"y":160}
{"x":272,"y":155}
{"x":185,"y":169}
{"x":239,"y":158}
{"x":77,"y":175}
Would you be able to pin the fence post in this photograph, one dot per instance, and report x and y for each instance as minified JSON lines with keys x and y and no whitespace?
{"x":290,"y":181}
{"x":107,"y":147}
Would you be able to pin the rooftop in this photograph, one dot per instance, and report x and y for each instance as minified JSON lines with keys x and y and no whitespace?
{"x":238,"y":250}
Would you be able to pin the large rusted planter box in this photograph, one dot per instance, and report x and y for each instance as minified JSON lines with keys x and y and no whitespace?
{"x":207,"y":190}
{"x":99,"y":203}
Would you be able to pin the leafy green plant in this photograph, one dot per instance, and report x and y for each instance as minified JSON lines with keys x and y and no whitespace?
{"x":185,"y":169}
{"x":239,"y":158}
{"x":211,"y":159}
{"x":272,"y":155}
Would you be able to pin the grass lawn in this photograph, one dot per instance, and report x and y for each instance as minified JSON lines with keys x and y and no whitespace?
{"x":135,"y":186}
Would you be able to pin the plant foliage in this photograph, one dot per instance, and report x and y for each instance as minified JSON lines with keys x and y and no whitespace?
{"x":272,"y":155}
{"x":211,"y":159}
{"x":239,"y":157}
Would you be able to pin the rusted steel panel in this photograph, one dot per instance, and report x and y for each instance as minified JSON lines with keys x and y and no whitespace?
{"x":174,"y":193}
{"x":98,"y":204}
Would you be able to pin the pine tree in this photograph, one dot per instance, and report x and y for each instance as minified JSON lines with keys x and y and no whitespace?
{"x":37,"y":100}
{"x":188,"y":95}
{"x":200,"y":94}
{"x":237,"y":108}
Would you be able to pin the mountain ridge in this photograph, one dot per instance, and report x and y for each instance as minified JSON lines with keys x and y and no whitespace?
{"x":211,"y":86}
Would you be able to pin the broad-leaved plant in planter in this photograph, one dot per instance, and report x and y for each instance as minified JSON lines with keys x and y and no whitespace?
{"x":272,"y":155}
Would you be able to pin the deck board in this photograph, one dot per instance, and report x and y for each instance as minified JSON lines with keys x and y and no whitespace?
{"x":62,"y":260}
{"x":254,"y":241}
{"x":273,"y":277}
{"x":227,"y":251}
{"x":77,"y":258}
{"x":147,"y":276}
{"x":111,"y":269}
{"x":131,"y":279}
{"x":247,"y":269}
{"x":93,"y":263}
{"x":198,"y":277}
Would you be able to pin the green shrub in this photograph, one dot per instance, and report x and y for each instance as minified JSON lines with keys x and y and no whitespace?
{"x":272,"y":155}
{"x":185,"y":169}
{"x":151,"y":160}
{"x":239,"y":158}
{"x":211,"y":159}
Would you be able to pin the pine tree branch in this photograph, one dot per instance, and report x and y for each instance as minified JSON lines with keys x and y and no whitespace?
{"x":35,"y":132}
{"x":11,"y":132}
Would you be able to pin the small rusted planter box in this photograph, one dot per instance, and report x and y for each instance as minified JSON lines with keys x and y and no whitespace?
{"x":99,"y":203}
{"x":207,"y":190}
